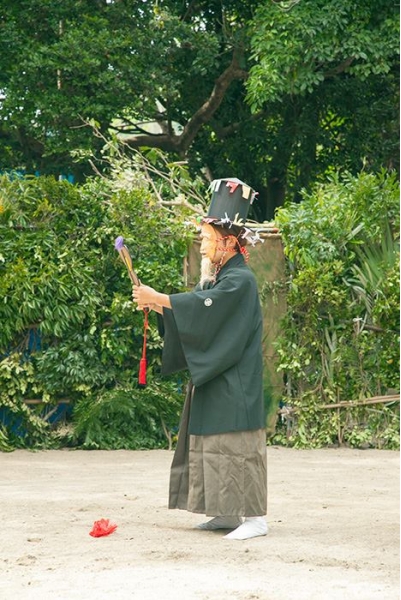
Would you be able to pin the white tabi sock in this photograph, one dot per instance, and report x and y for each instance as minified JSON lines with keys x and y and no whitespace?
{"x":251,"y":527}
{"x":220,"y":523}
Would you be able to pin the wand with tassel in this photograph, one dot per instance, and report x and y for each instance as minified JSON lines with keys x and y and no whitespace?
{"x":126,"y":258}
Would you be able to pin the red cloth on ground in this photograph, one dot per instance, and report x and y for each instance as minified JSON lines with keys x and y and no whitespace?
{"x":102,"y":527}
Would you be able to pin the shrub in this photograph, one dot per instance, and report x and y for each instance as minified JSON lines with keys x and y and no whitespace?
{"x":69,"y":331}
{"x":340,"y":337}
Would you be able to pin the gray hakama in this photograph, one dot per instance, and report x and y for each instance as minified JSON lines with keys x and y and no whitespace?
{"x":219,"y":475}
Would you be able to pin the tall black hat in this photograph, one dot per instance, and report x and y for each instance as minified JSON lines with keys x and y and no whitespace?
{"x":230,"y":203}
{"x":231,"y":200}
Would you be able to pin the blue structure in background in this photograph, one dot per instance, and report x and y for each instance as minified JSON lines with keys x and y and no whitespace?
{"x":52,"y":413}
{"x":18,"y":173}
{"x":70,"y":178}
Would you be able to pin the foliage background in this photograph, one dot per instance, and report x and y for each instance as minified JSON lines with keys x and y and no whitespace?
{"x":281,"y":94}
{"x":71,"y":339}
{"x":69,"y":331}
{"x":340,"y":337}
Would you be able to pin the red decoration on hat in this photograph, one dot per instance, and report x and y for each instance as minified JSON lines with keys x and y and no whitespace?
{"x":232,"y":185}
{"x":102,"y":527}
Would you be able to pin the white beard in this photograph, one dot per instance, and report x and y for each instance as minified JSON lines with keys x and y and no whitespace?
{"x":207,"y":271}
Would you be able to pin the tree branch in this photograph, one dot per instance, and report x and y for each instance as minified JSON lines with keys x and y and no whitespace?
{"x":171,"y":142}
{"x":339,"y":68}
{"x":223,"y":131}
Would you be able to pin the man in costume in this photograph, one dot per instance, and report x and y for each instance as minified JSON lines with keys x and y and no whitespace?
{"x":219,"y":466}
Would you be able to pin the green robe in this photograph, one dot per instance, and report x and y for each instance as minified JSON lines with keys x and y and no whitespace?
{"x":216,"y":334}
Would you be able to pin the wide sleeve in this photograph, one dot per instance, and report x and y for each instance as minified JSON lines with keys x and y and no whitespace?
{"x":214,"y":325}
{"x":173,"y":358}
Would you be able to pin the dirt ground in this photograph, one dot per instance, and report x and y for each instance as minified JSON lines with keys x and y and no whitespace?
{"x":333,"y":530}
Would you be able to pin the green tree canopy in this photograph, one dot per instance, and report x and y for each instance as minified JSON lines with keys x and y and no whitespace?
{"x":273,"y":93}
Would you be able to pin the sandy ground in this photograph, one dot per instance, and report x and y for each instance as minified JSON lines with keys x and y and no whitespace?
{"x":333,"y":530}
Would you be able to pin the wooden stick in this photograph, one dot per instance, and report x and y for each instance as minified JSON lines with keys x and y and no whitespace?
{"x":348,"y":403}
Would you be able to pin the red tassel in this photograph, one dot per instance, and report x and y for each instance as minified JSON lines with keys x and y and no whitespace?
{"x":142,"y":372}
{"x":143,"y":361}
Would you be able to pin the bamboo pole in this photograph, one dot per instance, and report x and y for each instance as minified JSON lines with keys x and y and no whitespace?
{"x":349,"y":403}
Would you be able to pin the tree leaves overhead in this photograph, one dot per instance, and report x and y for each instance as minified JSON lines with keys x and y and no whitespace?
{"x":278,"y":94}
{"x":296,"y":51}
{"x":82,"y":60}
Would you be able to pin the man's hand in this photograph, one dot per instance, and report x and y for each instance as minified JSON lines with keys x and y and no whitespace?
{"x":147,"y":297}
{"x":144,"y":296}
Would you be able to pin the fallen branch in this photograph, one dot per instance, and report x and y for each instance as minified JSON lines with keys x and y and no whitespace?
{"x":347,"y":403}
